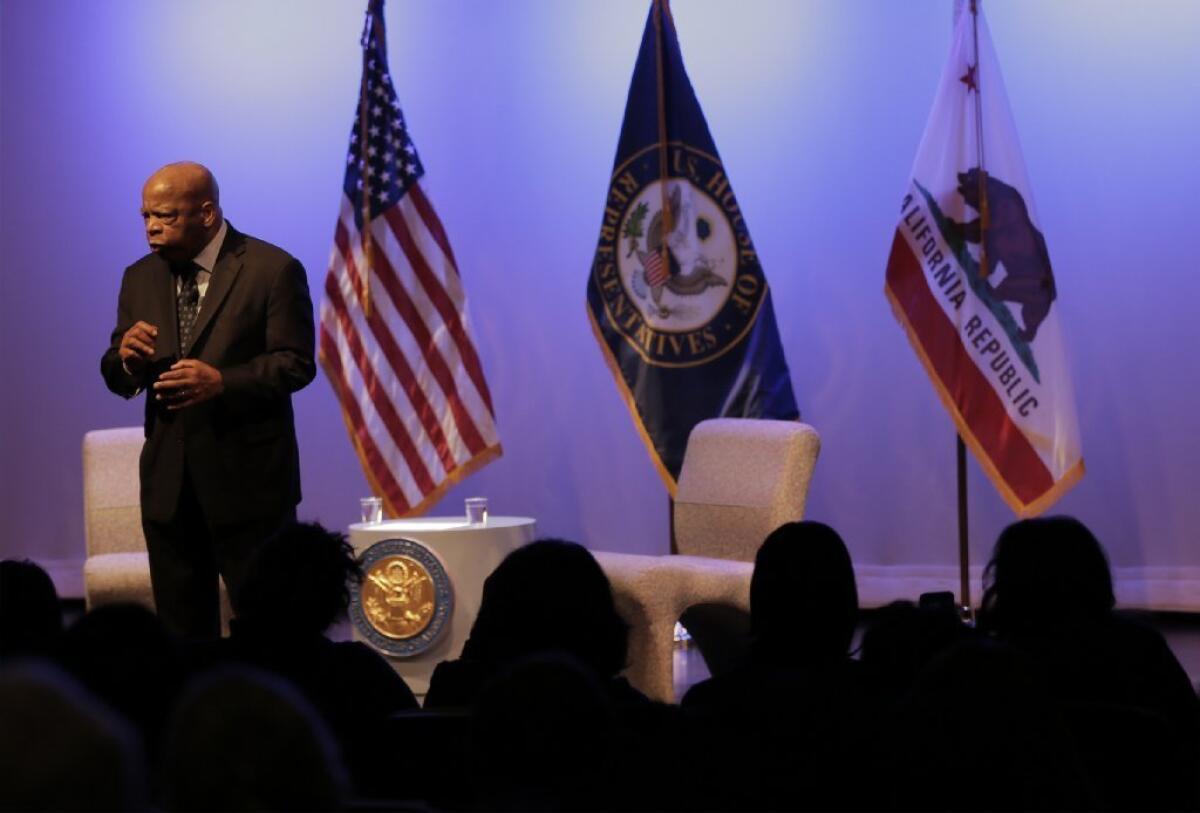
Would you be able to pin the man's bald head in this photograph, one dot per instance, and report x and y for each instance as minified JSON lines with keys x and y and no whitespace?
{"x":188,"y":178}
{"x":181,"y":209}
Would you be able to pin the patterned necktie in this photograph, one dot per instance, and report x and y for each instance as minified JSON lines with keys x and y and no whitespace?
{"x":187,"y":304}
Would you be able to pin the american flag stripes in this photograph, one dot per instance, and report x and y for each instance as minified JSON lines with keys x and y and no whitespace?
{"x":394,"y":338}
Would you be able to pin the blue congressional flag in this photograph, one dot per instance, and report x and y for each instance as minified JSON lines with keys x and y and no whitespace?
{"x":676,"y":296}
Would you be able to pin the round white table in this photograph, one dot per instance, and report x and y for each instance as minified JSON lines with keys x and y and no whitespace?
{"x":468,"y":553}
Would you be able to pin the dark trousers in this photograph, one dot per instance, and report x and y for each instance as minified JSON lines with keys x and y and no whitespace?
{"x":188,"y":553}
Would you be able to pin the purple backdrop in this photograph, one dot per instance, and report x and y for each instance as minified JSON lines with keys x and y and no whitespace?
{"x":816,"y":107}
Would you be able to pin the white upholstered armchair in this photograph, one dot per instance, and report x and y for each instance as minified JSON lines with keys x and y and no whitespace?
{"x":117,"y":569}
{"x":740,"y":480}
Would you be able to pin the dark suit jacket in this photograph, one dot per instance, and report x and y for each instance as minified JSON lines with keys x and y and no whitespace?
{"x":255,"y":326}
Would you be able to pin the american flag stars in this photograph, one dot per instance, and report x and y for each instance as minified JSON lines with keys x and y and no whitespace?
{"x":391,"y":164}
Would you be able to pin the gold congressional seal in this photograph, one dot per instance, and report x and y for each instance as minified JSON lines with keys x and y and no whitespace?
{"x":406,"y":599}
{"x":398,"y":597}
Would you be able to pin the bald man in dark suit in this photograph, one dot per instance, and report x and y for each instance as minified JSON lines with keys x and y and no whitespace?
{"x":216,"y":328}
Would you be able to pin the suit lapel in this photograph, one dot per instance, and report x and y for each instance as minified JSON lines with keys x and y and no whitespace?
{"x":229,"y":263}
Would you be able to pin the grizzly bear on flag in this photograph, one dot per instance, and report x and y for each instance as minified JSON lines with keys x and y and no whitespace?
{"x":1014,"y":242}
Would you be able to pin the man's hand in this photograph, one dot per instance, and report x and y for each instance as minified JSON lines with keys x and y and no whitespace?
{"x":137,"y":347}
{"x":187,"y":383}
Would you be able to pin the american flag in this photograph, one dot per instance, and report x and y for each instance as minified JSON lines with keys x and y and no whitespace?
{"x":394,"y":338}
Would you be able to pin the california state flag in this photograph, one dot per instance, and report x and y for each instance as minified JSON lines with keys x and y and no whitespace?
{"x":970,"y":280}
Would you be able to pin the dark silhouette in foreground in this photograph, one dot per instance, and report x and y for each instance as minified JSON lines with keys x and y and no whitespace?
{"x":544,"y":737}
{"x":246,"y":740}
{"x":60,"y":749}
{"x":799,"y":708}
{"x":1056,"y":702}
{"x":297,"y":588}
{"x":549,"y":596}
{"x":1133,"y":711}
{"x":124,"y":655}
{"x":30,"y":616}
{"x":978,"y":731}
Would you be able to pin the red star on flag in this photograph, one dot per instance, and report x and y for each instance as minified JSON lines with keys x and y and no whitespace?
{"x":968,"y":79}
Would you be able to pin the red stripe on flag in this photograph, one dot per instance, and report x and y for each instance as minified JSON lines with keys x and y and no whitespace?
{"x":408,"y":381}
{"x":441,"y":301}
{"x":981,"y":408}
{"x":433,"y":357}
{"x":380,"y":471}
{"x":429,"y":419}
{"x":341,"y":239}
{"x":417,"y":195}
{"x":379,"y":399}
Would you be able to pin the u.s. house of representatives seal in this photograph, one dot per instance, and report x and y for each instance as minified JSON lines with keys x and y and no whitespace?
{"x":405,"y":599}
{"x":682,"y":289}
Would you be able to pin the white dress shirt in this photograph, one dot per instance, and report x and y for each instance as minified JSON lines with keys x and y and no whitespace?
{"x":206,"y":259}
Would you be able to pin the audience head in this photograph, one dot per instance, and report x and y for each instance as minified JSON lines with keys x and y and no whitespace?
{"x":549,"y":595}
{"x":245,"y":740}
{"x":300,"y":581}
{"x":543,"y":738}
{"x":803,"y":598}
{"x":124,"y":654}
{"x":979,"y":731}
{"x":1046,"y":574}
{"x":904,"y":637}
{"x":30,"y":615}
{"x":62,"y":750}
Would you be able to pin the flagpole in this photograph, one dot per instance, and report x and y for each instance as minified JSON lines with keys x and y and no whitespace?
{"x":368,"y":243}
{"x":964,"y":549}
{"x":660,"y":11}
{"x":984,"y":215}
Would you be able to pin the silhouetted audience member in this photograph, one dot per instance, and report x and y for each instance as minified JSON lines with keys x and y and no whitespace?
{"x":30,"y":615}
{"x":124,"y":655}
{"x":297,"y":588}
{"x":902,"y":639}
{"x":803,"y":607}
{"x":978,"y":731}
{"x":60,"y":749}
{"x":1046,"y":576}
{"x":1049,"y":594}
{"x":544,"y":737}
{"x":798,"y":708}
{"x":1056,"y":702}
{"x":242,"y":739}
{"x":721,"y":632}
{"x":548,"y":596}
